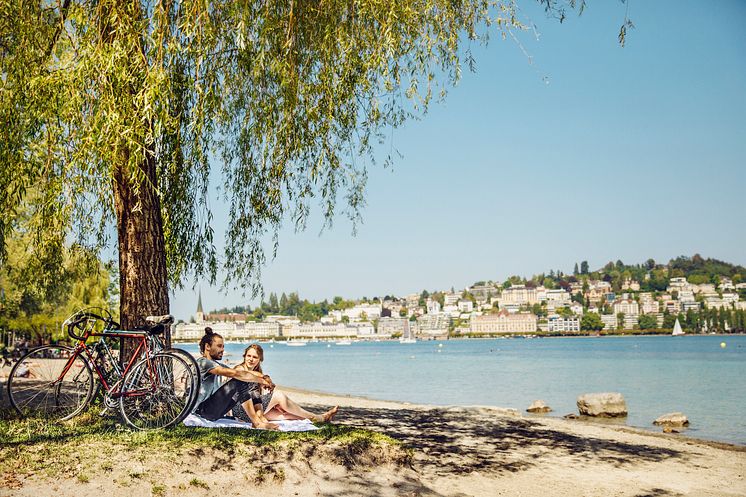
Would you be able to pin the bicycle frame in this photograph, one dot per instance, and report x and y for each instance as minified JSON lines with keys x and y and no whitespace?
{"x":142,"y":346}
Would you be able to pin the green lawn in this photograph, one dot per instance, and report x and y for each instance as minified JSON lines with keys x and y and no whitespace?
{"x":80,"y":448}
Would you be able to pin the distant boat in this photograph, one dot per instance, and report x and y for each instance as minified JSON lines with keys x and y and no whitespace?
{"x":343,"y":342}
{"x":296,"y":343}
{"x":677,"y":331}
{"x":407,"y":340}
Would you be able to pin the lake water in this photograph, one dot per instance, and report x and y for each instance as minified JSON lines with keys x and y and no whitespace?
{"x":656,"y":375}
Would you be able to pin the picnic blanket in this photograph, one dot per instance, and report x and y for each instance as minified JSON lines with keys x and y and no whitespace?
{"x":288,"y":425}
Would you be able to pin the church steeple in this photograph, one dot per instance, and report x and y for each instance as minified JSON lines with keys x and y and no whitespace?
{"x":200,"y":316}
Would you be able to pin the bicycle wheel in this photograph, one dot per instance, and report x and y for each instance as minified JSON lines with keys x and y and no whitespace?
{"x":157,"y":392}
{"x":40,"y":385}
{"x":195,"y":371}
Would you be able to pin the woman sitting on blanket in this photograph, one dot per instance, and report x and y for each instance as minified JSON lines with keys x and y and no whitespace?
{"x":268,"y":404}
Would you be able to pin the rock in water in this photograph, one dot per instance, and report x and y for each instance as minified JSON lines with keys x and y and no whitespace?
{"x":674,"y":420}
{"x":539,"y":406}
{"x":605,"y":405}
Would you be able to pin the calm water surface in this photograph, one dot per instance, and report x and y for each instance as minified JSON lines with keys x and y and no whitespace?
{"x":656,"y":375}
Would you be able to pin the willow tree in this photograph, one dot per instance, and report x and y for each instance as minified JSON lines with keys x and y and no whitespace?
{"x":115,"y":109}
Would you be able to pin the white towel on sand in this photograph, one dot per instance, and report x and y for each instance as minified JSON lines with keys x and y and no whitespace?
{"x":288,"y":425}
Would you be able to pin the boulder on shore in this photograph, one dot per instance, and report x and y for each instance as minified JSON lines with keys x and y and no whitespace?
{"x":673,"y":420}
{"x":539,"y":406}
{"x":605,"y":405}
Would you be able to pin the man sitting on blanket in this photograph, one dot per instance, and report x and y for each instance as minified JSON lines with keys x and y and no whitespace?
{"x":214,"y":400}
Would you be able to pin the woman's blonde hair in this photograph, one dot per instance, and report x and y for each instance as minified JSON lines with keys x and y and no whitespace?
{"x":259,"y":352}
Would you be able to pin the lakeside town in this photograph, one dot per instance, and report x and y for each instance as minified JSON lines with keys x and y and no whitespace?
{"x":611,"y":300}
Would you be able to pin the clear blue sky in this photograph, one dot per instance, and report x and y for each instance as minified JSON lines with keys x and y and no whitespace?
{"x":626,"y":153}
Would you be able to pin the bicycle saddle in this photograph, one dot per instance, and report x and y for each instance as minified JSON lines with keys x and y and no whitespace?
{"x":165,"y":320}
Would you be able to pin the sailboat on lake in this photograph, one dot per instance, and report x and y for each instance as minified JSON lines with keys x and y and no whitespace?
{"x":677,"y":331}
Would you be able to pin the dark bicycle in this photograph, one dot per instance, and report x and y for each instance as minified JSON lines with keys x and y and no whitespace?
{"x":157,"y":388}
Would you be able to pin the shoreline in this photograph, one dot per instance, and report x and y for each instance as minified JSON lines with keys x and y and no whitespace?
{"x":328,"y":398}
{"x":496,"y":336}
{"x":487,"y":450}
{"x":445,"y":451}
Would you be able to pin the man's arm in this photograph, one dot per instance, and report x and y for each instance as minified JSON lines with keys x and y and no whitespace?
{"x":248,"y":376}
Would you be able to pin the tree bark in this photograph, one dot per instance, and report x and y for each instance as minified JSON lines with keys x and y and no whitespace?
{"x":143,"y":280}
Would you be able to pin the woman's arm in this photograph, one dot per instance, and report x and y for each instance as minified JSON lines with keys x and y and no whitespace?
{"x":247,"y":376}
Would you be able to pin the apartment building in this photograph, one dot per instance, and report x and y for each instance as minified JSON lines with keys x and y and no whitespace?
{"x":559,"y":324}
{"x":609,"y":321}
{"x":518,"y":294}
{"x":433,"y":324}
{"x":627,"y":306}
{"x":504,"y":322}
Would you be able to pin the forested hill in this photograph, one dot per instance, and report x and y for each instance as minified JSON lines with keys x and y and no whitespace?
{"x":651,"y":275}
{"x":656,"y":277}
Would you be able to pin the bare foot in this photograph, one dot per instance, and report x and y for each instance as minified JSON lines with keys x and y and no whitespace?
{"x":329,"y":415}
{"x":267,"y":426}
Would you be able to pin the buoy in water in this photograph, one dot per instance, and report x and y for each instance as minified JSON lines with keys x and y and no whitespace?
{"x":722,"y":345}
{"x":440,"y":345}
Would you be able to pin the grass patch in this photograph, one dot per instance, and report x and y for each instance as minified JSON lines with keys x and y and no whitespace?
{"x":196,"y":482}
{"x":89,"y":444}
{"x":158,"y":491}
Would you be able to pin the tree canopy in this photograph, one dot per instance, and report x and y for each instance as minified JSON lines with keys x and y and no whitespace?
{"x":113,"y":111}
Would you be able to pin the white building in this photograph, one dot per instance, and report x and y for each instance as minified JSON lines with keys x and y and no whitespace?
{"x":317,"y":330}
{"x":361,"y":330}
{"x":559,"y":324}
{"x":465,"y":305}
{"x":258,"y":329}
{"x":632,"y":285}
{"x":559,"y":296}
{"x":576,"y":308}
{"x":678,"y":285}
{"x":433,"y":306}
{"x":433,"y":324}
{"x":609,"y":321}
{"x":451,"y":298}
{"x":627,"y":306}
{"x":195,"y":331}
{"x":630,"y":321}
{"x":391,"y":326}
{"x":648,"y":305}
{"x":451,"y":310}
{"x":518,"y":294}
{"x":504,"y":322}
{"x":511,"y":308}
{"x":482,"y":293}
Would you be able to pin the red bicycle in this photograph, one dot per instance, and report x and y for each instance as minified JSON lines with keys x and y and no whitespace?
{"x":155,"y":389}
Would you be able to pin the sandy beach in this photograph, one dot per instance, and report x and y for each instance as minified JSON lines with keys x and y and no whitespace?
{"x":458,"y":451}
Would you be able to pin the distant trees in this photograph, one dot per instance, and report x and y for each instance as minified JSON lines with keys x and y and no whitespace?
{"x":591,"y":321}
{"x":37,"y":307}
{"x":584,"y":267}
{"x":648,"y":322}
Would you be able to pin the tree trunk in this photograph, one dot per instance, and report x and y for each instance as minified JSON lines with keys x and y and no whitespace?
{"x":143,"y":281}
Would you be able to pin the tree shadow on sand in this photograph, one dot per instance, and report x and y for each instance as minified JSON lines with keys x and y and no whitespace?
{"x":458,"y":441}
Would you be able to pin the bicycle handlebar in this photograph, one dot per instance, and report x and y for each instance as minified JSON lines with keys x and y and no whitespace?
{"x":73,"y":325}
